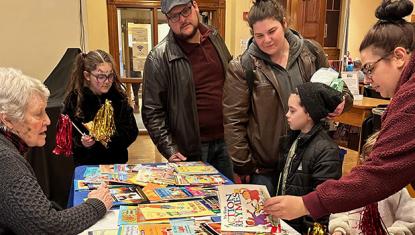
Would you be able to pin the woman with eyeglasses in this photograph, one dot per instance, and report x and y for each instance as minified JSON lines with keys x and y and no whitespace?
{"x":93,"y":80}
{"x":388,"y":58}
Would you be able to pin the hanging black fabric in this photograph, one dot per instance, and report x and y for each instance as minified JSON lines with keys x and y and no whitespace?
{"x":54,"y":173}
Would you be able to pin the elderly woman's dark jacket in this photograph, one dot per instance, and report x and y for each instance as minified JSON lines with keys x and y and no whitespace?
{"x":25,"y":209}
{"x":125,"y":134}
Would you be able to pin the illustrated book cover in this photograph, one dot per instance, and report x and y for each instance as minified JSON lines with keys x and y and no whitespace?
{"x":128,"y":195}
{"x":170,"y":210}
{"x":175,"y":193}
{"x":194,"y":168}
{"x":242,"y":207}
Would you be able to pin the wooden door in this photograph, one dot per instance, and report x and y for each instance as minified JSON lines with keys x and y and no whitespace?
{"x":307,"y":17}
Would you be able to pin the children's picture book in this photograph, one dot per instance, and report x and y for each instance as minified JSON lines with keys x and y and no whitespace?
{"x":169,"y":210}
{"x":175,"y":193}
{"x":170,"y":227}
{"x":200,"y":179}
{"x":242,"y":207}
{"x":103,"y":232}
{"x":119,"y":168}
{"x":212,"y":203}
{"x":128,"y":230}
{"x":156,"y":175}
{"x":81,"y":185}
{"x":91,"y":172}
{"x":183,"y":226}
{"x":128,"y":195}
{"x":214,"y":228}
{"x":128,"y":215}
{"x":194,"y":168}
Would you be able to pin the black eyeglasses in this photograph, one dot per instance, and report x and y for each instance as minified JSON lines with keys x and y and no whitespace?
{"x":104,"y":77}
{"x":368,"y":69}
{"x":185,"y":13}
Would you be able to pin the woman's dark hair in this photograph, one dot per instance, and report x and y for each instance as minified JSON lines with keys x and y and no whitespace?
{"x":264,"y":9}
{"x":88,"y":62}
{"x":391,"y":30}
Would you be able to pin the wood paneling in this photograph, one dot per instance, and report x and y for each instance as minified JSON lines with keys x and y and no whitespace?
{"x":332,"y":53}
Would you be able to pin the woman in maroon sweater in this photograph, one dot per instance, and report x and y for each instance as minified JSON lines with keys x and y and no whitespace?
{"x":387,"y":52}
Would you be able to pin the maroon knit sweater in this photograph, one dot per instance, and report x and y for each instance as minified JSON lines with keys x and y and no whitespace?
{"x":390,"y":166}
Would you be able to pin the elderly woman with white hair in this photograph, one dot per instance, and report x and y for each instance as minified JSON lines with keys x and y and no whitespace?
{"x":24,"y":208}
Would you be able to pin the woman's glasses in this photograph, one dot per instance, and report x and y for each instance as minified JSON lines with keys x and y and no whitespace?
{"x":104,"y":77}
{"x":185,"y":13}
{"x":368,"y":69}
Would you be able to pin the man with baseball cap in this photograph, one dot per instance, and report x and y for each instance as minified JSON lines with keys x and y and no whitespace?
{"x":182,"y":89}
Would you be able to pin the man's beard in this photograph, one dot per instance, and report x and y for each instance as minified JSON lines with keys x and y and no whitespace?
{"x":183,"y":37}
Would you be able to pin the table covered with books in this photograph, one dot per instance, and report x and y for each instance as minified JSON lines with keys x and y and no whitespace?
{"x":176,"y":198}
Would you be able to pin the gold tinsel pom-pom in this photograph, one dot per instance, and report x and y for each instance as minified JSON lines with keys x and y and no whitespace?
{"x":103,"y":126}
{"x":318,"y":229}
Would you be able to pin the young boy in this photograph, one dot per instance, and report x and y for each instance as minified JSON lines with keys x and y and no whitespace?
{"x":309,"y":155}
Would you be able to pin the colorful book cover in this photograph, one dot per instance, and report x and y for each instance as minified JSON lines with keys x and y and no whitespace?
{"x":160,"y":193}
{"x":200,"y":180}
{"x":154,"y":175}
{"x":150,"y":193}
{"x":202,"y":191}
{"x":128,"y":195}
{"x":183,"y":226}
{"x":81,"y":185}
{"x":128,"y":215}
{"x":103,"y":232}
{"x":91,"y":172}
{"x":173,"y":193}
{"x":171,"y":227}
{"x":154,"y":229}
{"x":214,"y":228}
{"x":128,"y":230}
{"x":118,"y":168}
{"x":212,"y":203}
{"x":169,"y":210}
{"x":194,"y":168}
{"x":242,"y":208}
{"x":211,"y":228}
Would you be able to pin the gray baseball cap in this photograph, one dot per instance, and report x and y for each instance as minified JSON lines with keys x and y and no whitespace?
{"x":167,"y":5}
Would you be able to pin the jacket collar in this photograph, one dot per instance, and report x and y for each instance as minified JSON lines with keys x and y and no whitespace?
{"x":303,"y":137}
{"x":173,"y":50}
{"x":296,"y":42}
{"x":7,"y":145}
{"x":20,"y":145}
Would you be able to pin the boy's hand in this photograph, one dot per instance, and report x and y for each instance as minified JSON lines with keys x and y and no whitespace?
{"x":339,"y":109}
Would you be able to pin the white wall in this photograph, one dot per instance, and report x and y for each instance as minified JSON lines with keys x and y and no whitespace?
{"x":36,"y":33}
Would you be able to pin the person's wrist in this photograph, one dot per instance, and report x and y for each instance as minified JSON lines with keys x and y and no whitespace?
{"x":304,"y":208}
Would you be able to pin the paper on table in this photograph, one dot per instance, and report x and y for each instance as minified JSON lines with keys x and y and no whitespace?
{"x":352,"y":81}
